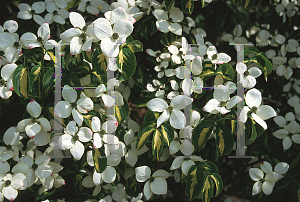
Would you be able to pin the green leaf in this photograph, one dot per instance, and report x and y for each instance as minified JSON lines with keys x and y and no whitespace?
{"x":48,"y":80}
{"x":99,"y":62}
{"x":202,"y":132}
{"x":296,"y":192}
{"x":121,"y":112}
{"x":35,"y":81}
{"x":20,"y":81}
{"x":126,"y":62}
{"x":157,"y":144}
{"x":87,"y":118}
{"x":151,"y":116}
{"x":135,"y":46}
{"x":132,"y":187}
{"x":168,"y":38}
{"x":144,"y":132}
{"x":194,"y":182}
{"x":187,"y":6}
{"x":224,"y":140}
{"x":142,"y":102}
{"x":167,"y":133}
{"x":208,"y":189}
{"x":169,"y":4}
{"x":218,"y":182}
{"x":226,"y":69}
{"x":210,"y":167}
{"x":253,"y":130}
{"x":284,"y":183}
{"x":207,"y":71}
{"x":250,"y":50}
{"x":100,"y":160}
{"x":263,"y":63}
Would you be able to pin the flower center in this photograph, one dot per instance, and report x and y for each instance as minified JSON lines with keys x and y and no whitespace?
{"x":39,"y":39}
{"x":84,"y":28}
{"x":73,"y":105}
{"x":75,"y":138}
{"x":33,"y":119}
{"x":180,"y":53}
{"x":115,"y":36}
{"x":222,"y":103}
{"x":88,"y":3}
{"x":35,"y":166}
{"x":170,"y":108}
{"x":162,"y":69}
{"x":1,"y":53}
{"x":7,"y":182}
{"x":157,"y":54}
{"x":252,"y":110}
{"x":32,"y":12}
{"x":83,"y":36}
{"x":2,"y":82}
{"x":55,"y":12}
{"x":102,"y":132}
{"x":8,"y":147}
{"x":16,"y":44}
{"x":214,"y":57}
{"x":151,"y":179}
{"x":246,"y":73}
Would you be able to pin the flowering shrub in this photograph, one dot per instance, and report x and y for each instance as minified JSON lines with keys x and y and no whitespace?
{"x":76,"y":74}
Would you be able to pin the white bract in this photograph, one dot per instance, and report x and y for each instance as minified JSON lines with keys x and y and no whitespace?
{"x":155,"y":184}
{"x":172,"y":112}
{"x":247,"y":77}
{"x":110,"y":37}
{"x":10,"y":184}
{"x":11,"y":46}
{"x":55,"y":14}
{"x":286,"y":9}
{"x":29,"y":40}
{"x":164,"y":24}
{"x":33,"y":125}
{"x":72,"y":139}
{"x":258,"y":112}
{"x":215,"y":57}
{"x":93,"y":6}
{"x":221,"y":103}
{"x":26,"y":12}
{"x":64,"y":109}
{"x":6,"y":82}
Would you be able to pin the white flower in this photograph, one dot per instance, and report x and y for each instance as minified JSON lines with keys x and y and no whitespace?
{"x":156,"y":184}
{"x":11,"y":139}
{"x":64,"y":109}
{"x":93,"y":6}
{"x":103,"y":134}
{"x":263,"y":38}
{"x":177,"y":118}
{"x":157,"y":86}
{"x":164,"y":25}
{"x":290,"y":131}
{"x":236,"y":37}
{"x":11,"y":46}
{"x":10,"y":184}
{"x":110,"y":37}
{"x":215,"y":57}
{"x":33,"y":125}
{"x":29,"y":40}
{"x":294,"y":83}
{"x":72,"y":139}
{"x":247,"y":77}
{"x":10,"y":26}
{"x":54,"y":180}
{"x":109,"y":100}
{"x":292,"y":46}
{"x":26,"y":12}
{"x":33,"y":169}
{"x":62,"y":3}
{"x":6,"y":83}
{"x":55,"y":14}
{"x":221,"y":102}
{"x":93,"y":181}
{"x":81,"y":36}
{"x":131,"y":10}
{"x":286,"y":9}
{"x":258,"y":112}
{"x":162,"y":70}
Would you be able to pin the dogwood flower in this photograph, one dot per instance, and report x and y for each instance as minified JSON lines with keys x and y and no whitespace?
{"x":221,"y":102}
{"x":11,"y":139}
{"x":290,"y":131}
{"x":54,"y":180}
{"x":162,"y":70}
{"x":72,"y":139}
{"x":247,"y":77}
{"x":64,"y":109}
{"x":29,"y":40}
{"x":130,"y":8}
{"x":156,"y":184}
{"x":93,"y":6}
{"x":11,"y":27}
{"x":10,"y":184}
{"x":293,"y":83}
{"x":55,"y":14}
{"x":263,"y":38}
{"x":6,"y":83}
{"x":93,"y":181}
{"x":215,"y":57}
{"x":26,"y":12}
{"x":157,"y":86}
{"x":258,"y":112}
{"x":34,"y":168}
{"x":112,"y":37}
{"x":11,"y":46}
{"x":236,"y":37}
{"x":103,"y":134}
{"x":286,"y":9}
{"x":33,"y":125}
{"x":172,"y":112}
{"x":81,"y":36}
{"x":163,"y":24}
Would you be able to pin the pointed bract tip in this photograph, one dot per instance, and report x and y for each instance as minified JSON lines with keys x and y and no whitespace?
{"x":32,"y":100}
